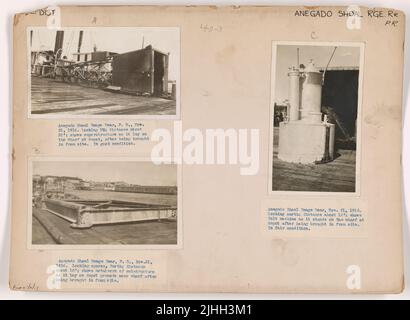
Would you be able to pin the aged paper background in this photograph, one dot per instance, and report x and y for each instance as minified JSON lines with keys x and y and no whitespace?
{"x":225,"y":83}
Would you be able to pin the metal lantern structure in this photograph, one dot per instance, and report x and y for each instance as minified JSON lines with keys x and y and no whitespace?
{"x":305,"y":137}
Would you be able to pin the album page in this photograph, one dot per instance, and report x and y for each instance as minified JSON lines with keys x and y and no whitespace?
{"x":207,"y":149}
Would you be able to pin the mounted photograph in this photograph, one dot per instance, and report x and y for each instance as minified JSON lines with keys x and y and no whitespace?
{"x":103,"y":202}
{"x":97,"y":72}
{"x":315,"y":116}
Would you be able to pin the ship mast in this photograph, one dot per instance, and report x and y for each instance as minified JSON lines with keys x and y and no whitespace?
{"x":58,"y":46}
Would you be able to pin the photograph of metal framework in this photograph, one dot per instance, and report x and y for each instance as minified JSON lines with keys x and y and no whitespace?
{"x":315,"y":112}
{"x":103,"y":71}
{"x":103,"y":202}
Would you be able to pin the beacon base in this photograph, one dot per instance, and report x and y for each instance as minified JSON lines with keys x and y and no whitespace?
{"x":304,"y":142}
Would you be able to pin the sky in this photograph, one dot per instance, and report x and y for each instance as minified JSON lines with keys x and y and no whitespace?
{"x":286,"y":57}
{"x":118,"y":40}
{"x":133,"y":172}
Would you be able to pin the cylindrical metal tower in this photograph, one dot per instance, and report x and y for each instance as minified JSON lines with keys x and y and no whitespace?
{"x":294,"y":94}
{"x":312,"y":94}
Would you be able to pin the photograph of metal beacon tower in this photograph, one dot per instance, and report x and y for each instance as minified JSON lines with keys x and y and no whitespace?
{"x":316,"y":95}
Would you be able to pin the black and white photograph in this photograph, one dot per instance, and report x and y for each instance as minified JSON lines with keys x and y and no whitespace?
{"x":103,"y":202}
{"x":102,"y":71}
{"x":315,"y":116}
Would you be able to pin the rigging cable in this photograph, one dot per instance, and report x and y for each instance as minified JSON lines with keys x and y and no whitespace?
{"x":331,"y":57}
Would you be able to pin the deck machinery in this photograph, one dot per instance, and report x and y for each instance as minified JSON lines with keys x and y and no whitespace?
{"x":141,"y":71}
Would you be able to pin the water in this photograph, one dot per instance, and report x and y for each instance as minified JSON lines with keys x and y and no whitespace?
{"x":103,"y":195}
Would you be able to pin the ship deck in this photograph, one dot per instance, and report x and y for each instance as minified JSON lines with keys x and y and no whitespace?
{"x":335,"y":176}
{"x":49,"y":96}
{"x":48,"y":229}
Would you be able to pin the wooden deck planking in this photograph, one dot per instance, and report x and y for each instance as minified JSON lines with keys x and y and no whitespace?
{"x":49,"y":96}
{"x":338,"y":175}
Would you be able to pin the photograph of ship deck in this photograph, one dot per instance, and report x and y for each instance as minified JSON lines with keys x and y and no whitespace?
{"x":104,"y":71}
{"x":103,"y":203}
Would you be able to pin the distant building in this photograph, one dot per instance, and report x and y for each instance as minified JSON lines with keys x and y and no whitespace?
{"x":147,"y":189}
{"x":109,"y":186}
